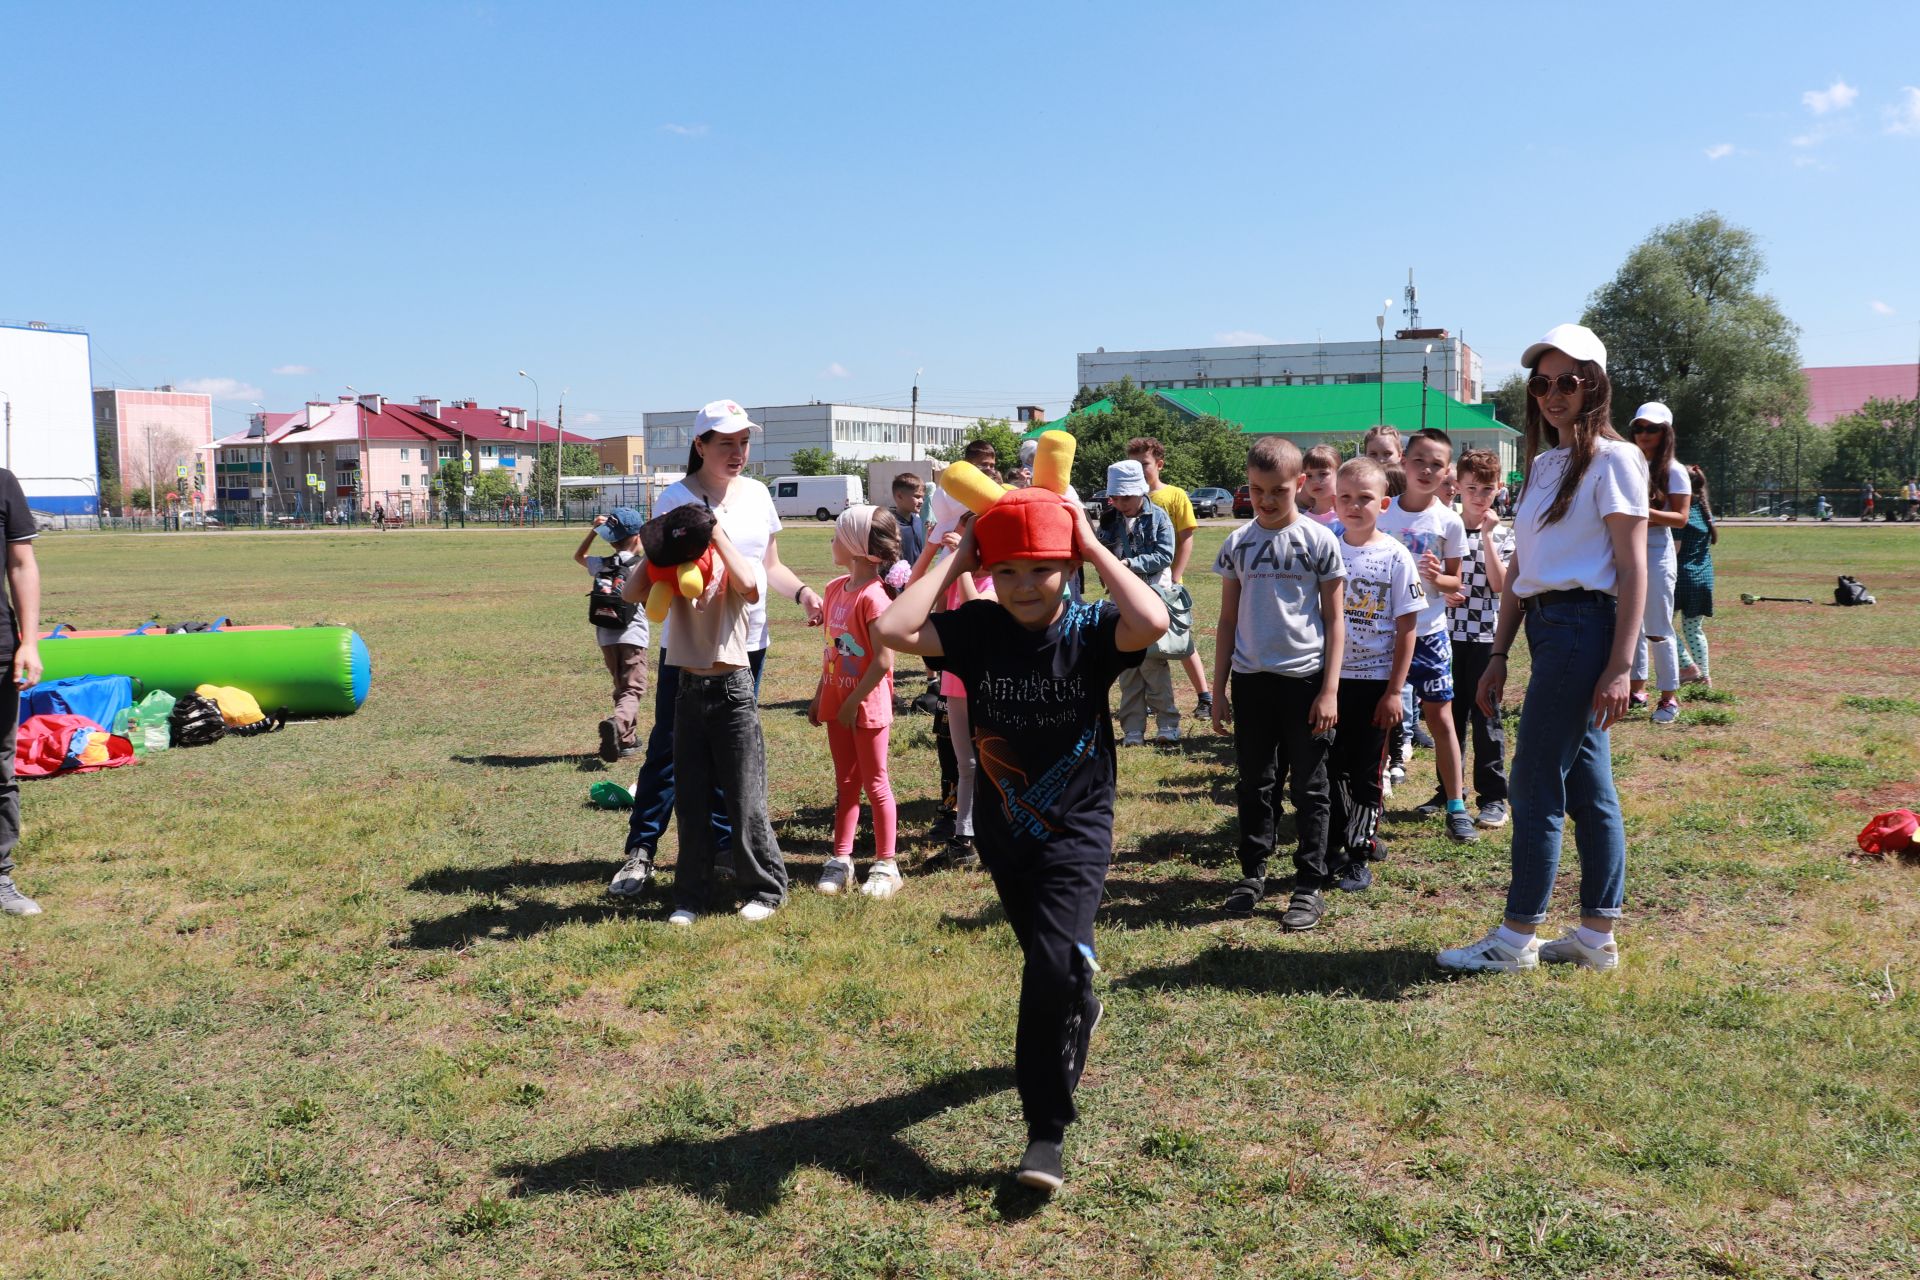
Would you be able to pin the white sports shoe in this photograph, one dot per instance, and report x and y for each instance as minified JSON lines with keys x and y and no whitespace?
{"x":1568,"y":949}
{"x":756,"y":911}
{"x":15,"y":903}
{"x":682,"y":917}
{"x":1491,"y":955}
{"x":883,"y":879}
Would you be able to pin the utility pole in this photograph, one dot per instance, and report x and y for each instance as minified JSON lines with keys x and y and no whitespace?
{"x":559,"y":450}
{"x":150,"y":481}
{"x":1424,"y":358}
{"x":913,"y":422}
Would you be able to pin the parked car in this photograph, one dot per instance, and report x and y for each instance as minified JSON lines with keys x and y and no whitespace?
{"x":1097,"y":507}
{"x":822,"y":497}
{"x":1242,"y":504}
{"x":1210,"y":502}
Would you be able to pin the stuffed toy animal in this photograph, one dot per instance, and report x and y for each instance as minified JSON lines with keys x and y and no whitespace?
{"x":679,"y":551}
{"x":1035,"y":523}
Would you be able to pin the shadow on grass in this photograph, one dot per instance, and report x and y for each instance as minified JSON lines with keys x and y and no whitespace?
{"x":748,"y":1171}
{"x":583,"y":761}
{"x":511,"y":876}
{"x":512,"y":922}
{"x":1389,"y":973}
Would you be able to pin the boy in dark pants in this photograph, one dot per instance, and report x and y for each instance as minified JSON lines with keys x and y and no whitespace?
{"x":1473,"y":614}
{"x":1276,"y":676}
{"x":1383,"y":599}
{"x":20,"y":653}
{"x":1038,"y":670}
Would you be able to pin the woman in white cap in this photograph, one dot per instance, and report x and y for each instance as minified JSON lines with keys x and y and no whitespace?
{"x":1578,"y":578}
{"x":716,"y":476}
{"x":1669,"y":494}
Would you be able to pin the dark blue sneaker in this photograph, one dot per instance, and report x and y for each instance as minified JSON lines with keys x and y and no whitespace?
{"x":1356,"y":878}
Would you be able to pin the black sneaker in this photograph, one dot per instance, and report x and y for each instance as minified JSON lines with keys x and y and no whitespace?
{"x":1303,"y":911}
{"x":1204,"y":708}
{"x":609,"y":740}
{"x":1421,"y":738}
{"x":957,"y":854}
{"x":1432,"y":808}
{"x":1040,"y":1167}
{"x":1379,"y":851}
{"x":1245,"y":896}
{"x":942,"y":829}
{"x":1357,"y":877}
{"x":1460,"y":827}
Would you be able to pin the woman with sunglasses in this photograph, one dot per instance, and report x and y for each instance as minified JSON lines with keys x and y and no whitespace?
{"x":1578,"y":578}
{"x":1669,"y":495}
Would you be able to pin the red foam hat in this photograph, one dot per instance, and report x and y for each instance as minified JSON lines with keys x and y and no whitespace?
{"x":1035,"y":523}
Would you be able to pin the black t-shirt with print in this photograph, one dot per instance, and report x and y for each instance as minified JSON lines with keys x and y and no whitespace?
{"x":1042,"y":735}
{"x":16,"y":521}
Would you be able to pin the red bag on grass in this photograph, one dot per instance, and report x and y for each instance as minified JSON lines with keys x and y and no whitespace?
{"x":47,"y":745}
{"x":1889,"y":832}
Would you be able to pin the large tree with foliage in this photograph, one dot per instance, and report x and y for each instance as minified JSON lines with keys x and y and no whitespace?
{"x":824,"y":462}
{"x":1685,"y":322}
{"x":1877,"y":442}
{"x":997,"y":432}
{"x":575,"y":460}
{"x":1200,"y":451}
{"x":1510,"y":401}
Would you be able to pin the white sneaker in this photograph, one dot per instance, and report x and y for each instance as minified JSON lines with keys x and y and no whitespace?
{"x":682,"y":917}
{"x":1134,"y":740}
{"x":632,"y":878}
{"x":756,"y":911}
{"x":15,"y":903}
{"x":1568,"y":949}
{"x":1491,"y":955}
{"x":883,"y":879}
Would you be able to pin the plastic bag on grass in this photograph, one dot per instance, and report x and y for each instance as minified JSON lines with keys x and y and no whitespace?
{"x":150,"y":726}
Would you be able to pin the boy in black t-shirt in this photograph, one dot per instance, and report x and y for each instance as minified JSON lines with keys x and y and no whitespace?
{"x":20,"y":650}
{"x":1038,"y":669}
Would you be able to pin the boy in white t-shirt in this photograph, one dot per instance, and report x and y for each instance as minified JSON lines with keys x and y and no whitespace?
{"x":1430,"y":530}
{"x":1276,"y":677}
{"x":1383,"y":598}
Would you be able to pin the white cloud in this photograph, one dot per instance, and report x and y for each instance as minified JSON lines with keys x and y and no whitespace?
{"x":293,"y":370}
{"x":1905,"y":117}
{"x":223,"y":388}
{"x":1837,"y":96}
{"x":1720,"y":151}
{"x":685,"y":130}
{"x":836,"y":370}
{"x":1807,"y":162}
{"x":1806,"y":139}
{"x":589,"y":419}
{"x":1242,"y":338}
{"x":1880,"y":308}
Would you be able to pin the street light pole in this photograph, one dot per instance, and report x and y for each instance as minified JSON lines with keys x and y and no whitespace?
{"x":913,"y":421}
{"x":1425,"y":357}
{"x":1380,"y":323}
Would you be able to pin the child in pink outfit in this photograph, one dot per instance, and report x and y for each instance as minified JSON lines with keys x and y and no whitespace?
{"x":967,"y":586}
{"x":854,"y":699}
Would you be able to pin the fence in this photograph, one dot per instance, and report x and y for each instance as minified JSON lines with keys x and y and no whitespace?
{"x":1813,"y":504}
{"x":404,"y":511}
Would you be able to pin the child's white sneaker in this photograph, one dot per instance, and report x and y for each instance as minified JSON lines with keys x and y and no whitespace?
{"x":756,"y":911}
{"x":1569,"y":949}
{"x":682,"y":917}
{"x":883,"y":879}
{"x":1492,"y":954}
{"x":835,"y":876}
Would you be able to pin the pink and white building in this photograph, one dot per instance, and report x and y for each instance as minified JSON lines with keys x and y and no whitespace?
{"x":150,"y":435}
{"x":369,"y":450}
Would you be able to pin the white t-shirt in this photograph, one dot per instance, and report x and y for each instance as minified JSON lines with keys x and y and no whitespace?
{"x":1383,"y":586}
{"x":1679,"y":485}
{"x":1437,"y":528}
{"x":1576,"y":554}
{"x":749,"y":518}
{"x":1279,"y":627}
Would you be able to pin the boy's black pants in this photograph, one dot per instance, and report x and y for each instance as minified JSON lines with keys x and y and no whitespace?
{"x":1271,"y":736}
{"x":949,"y":763}
{"x":1051,"y":910}
{"x":1489,"y":735}
{"x":1354,"y":766}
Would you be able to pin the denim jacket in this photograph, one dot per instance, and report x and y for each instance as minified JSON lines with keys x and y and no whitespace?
{"x":1144,"y":544}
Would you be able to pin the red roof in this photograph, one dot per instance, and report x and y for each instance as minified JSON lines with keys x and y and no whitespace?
{"x":1839,"y":390}
{"x":411,"y":422}
{"x":488,"y":424}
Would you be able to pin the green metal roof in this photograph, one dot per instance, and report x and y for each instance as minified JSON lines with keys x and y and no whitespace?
{"x":1347,"y":409}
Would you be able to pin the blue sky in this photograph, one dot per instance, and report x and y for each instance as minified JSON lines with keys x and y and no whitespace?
{"x":653,"y":206}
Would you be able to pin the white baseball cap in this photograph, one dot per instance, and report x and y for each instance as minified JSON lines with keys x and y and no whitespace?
{"x":723,"y":416}
{"x":1655,"y":412}
{"x":1576,"y":340}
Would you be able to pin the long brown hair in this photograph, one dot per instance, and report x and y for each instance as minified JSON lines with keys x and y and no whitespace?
{"x":1699,"y":481}
{"x":1594,"y":423}
{"x":1659,"y":466}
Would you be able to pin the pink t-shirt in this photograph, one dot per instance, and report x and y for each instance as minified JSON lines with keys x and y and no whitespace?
{"x":849,"y":650}
{"x":950,"y":684}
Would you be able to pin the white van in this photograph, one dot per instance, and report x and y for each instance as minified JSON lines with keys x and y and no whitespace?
{"x":822,"y":497}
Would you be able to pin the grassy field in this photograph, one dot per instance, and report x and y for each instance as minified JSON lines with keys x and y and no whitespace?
{"x":349,"y":1001}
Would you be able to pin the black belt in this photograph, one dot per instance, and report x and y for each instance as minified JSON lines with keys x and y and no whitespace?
{"x":1579,"y":596}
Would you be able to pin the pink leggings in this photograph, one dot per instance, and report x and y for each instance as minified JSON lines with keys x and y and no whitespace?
{"x":860,"y":763}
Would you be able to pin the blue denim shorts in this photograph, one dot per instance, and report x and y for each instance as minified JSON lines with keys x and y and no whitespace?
{"x":1431,"y":676}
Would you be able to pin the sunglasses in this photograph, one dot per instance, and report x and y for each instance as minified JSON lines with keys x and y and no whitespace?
{"x":1566,"y":384}
{"x":1647,"y":428}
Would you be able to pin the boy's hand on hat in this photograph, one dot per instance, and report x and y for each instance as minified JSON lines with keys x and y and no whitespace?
{"x":966,"y":552}
{"x":598,"y":521}
{"x":1084,"y":538}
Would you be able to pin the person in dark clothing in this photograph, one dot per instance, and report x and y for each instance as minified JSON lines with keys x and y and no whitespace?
{"x":20,"y":643}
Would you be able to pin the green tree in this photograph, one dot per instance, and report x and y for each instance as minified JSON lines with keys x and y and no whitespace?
{"x":997,"y":432}
{"x":812,"y":462}
{"x":575,"y":460}
{"x":1874,"y":443}
{"x":493,"y":487}
{"x":1201,"y":451}
{"x":449,"y":483}
{"x":1685,"y":322}
{"x":1510,"y":401}
{"x":138,"y":501}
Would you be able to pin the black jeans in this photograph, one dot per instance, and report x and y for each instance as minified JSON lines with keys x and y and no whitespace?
{"x":1354,"y":766}
{"x":9,"y":785}
{"x":653,"y":794}
{"x":1051,"y":910}
{"x":1489,"y":735}
{"x":717,"y":745}
{"x":1271,"y":735}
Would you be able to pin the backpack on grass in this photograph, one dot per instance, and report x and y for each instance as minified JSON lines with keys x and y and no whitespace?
{"x":196,"y":721}
{"x":1850,"y":592}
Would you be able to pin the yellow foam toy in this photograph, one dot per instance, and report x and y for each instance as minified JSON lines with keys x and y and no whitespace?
{"x":689,"y":579}
{"x":1053,"y":461}
{"x":969,"y":486}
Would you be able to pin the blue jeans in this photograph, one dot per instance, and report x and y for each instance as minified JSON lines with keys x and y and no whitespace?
{"x":1564,"y":766}
{"x":653,"y":793}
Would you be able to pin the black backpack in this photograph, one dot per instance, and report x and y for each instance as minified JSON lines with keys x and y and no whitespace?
{"x":605,"y":608}
{"x":1850,"y":592}
{"x":196,"y":721}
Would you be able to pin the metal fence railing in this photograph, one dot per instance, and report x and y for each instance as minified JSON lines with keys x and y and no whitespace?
{"x":1815,"y":504}
{"x":418,"y":515}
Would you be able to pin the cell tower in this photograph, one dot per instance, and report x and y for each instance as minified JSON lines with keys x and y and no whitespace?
{"x":1413,"y":302}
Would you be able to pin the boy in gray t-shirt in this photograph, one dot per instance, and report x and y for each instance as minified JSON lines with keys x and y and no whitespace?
{"x":1277,"y":675}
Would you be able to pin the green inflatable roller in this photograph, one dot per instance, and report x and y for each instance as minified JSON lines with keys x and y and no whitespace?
{"x":311,"y":671}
